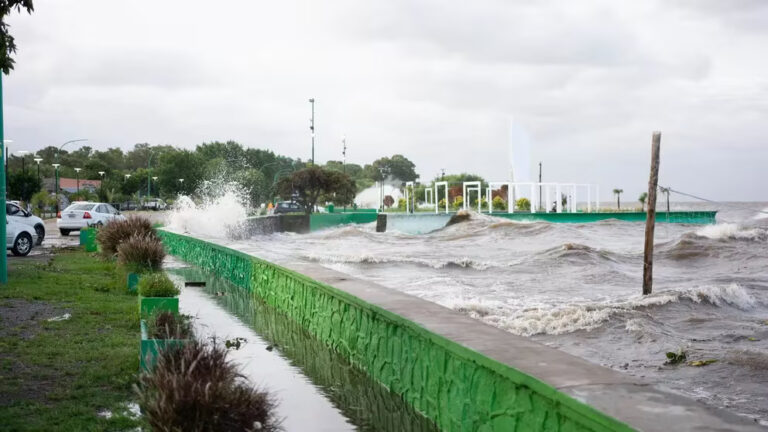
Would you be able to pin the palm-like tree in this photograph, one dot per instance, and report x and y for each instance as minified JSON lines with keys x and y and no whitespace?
{"x":618,"y":193}
{"x":643,"y":196}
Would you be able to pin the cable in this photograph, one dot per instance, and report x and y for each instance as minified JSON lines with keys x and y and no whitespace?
{"x":714,"y":202}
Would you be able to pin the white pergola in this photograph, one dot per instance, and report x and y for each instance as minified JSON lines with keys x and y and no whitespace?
{"x":409,"y":196}
{"x":437,"y":185}
{"x":469,"y":187}
{"x":429,"y":197}
{"x":570,"y":189}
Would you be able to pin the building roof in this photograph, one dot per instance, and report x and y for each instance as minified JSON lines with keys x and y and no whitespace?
{"x":72,"y":183}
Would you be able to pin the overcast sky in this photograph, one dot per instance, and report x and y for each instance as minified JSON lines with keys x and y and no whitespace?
{"x":449,"y":84}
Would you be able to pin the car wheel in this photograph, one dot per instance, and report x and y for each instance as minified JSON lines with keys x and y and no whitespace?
{"x":64,"y":232}
{"x":22,"y":245}
{"x":40,"y":230}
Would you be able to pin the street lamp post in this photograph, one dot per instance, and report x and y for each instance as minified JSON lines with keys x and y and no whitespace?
{"x":101,"y":185}
{"x":23,"y":154}
{"x":56,"y":185}
{"x":57,"y":164}
{"x":312,"y":128}
{"x":38,"y":160}
{"x":77,"y":175}
{"x":149,"y":172}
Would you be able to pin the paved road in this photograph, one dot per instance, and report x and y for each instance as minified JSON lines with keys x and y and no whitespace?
{"x":54,"y":239}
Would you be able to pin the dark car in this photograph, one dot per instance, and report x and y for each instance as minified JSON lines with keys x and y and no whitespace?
{"x":288,"y":207}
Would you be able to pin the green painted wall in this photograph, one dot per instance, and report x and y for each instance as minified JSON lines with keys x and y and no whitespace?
{"x":318,"y":221}
{"x":459,"y":389}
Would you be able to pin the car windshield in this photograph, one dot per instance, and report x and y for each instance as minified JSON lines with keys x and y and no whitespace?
{"x":81,"y":207}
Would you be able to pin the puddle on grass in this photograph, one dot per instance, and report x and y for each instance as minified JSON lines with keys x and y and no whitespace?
{"x":317,"y":389}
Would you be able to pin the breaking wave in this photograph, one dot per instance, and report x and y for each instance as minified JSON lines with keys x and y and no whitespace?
{"x":731,"y":231}
{"x":555,"y":319}
{"x":372,"y":259}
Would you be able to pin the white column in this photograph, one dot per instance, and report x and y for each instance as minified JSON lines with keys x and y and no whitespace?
{"x":435,"y":198}
{"x":510,"y":198}
{"x":464,"y":196}
{"x":488,"y":199}
{"x":573,"y":207}
{"x":597,"y":198}
{"x":533,"y":197}
{"x":558,"y":195}
{"x":546,"y":195}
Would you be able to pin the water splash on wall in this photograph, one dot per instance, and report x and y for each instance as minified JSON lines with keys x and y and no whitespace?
{"x":220,"y":204}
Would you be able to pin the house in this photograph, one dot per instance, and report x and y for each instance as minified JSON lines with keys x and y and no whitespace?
{"x":70,"y":185}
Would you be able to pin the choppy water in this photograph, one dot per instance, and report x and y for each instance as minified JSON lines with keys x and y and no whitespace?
{"x":576,"y":287}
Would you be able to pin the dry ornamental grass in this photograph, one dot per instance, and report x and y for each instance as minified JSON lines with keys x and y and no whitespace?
{"x":195,"y":388}
{"x":114,"y":233}
{"x":141,"y":253}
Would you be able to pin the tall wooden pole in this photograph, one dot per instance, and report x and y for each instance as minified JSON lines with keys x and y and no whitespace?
{"x":650,"y":220}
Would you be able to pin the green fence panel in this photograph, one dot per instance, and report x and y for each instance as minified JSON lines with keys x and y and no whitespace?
{"x":457,"y":388}
{"x":318,"y":221}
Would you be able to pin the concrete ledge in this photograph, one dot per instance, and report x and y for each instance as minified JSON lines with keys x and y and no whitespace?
{"x":459,"y":372}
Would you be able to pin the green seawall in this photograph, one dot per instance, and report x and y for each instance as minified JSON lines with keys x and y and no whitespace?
{"x":457,"y":388}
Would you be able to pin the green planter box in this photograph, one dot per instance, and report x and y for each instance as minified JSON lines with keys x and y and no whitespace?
{"x":88,"y":239}
{"x":133,"y":282}
{"x":149,"y":349}
{"x":150,"y":305}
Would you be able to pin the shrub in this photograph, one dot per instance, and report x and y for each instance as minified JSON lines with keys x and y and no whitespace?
{"x":168,"y":325}
{"x":43,"y":201}
{"x":141,"y":253}
{"x":441,"y":203}
{"x":195,"y":388}
{"x":401,"y":204}
{"x":157,"y":285}
{"x":499,"y":203}
{"x":458,"y":202}
{"x":112,"y":234}
{"x":523,"y":204}
{"x":483,"y":204}
{"x":388,"y":201}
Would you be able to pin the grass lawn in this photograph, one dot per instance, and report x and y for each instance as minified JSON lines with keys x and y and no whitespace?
{"x":60,"y":375}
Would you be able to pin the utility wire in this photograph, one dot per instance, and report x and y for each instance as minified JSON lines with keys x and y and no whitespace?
{"x":713,"y":201}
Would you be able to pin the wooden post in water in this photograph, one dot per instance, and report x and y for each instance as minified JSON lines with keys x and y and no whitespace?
{"x":650,"y":220}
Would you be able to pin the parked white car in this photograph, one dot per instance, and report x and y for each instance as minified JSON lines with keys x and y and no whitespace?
{"x":15,"y":213}
{"x":85,"y":214}
{"x":19,"y":238}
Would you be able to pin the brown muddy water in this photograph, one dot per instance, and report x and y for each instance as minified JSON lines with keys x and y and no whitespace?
{"x":576,"y":287}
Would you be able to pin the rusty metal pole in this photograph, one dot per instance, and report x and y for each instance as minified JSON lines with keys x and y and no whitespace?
{"x":650,"y":220}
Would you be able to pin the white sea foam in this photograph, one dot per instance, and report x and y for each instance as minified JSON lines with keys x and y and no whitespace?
{"x":222,"y":205}
{"x":559,"y":319}
{"x":731,"y":231}
{"x":374,"y":259}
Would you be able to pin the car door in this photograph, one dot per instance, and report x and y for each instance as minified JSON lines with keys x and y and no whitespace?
{"x":103,"y":214}
{"x":13,"y":212}
{"x":10,"y":234}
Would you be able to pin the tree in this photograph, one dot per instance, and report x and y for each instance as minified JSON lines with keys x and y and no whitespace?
{"x":398,"y":166}
{"x":181,"y":164}
{"x":23,"y":185}
{"x":618,"y":193}
{"x":643,"y":196}
{"x":310,"y":184}
{"x":7,"y":42}
{"x":388,"y":201}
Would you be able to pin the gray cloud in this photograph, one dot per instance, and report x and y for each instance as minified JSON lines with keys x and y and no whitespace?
{"x":438,"y":81}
